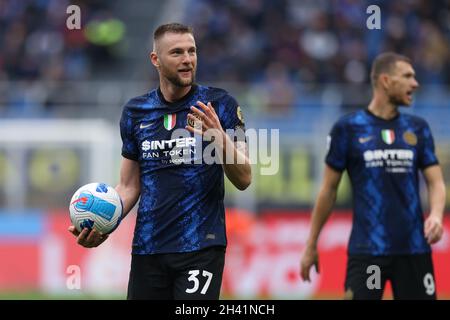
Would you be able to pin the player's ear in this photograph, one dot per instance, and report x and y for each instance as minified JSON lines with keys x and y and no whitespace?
{"x":384,"y":81}
{"x":154,"y":59}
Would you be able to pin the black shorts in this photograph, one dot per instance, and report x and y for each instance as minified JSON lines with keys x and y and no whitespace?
{"x":180,"y":276}
{"x":411,"y":277}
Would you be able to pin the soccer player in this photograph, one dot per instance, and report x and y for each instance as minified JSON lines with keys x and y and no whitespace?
{"x":383,"y":151}
{"x":179,"y":240}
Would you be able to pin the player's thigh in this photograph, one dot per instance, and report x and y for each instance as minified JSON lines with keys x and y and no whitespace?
{"x":413,"y":277}
{"x":366,"y":277}
{"x":148,"y":279}
{"x":199,"y":276}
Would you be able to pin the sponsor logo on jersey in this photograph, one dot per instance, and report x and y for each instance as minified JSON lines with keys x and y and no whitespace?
{"x":410,"y":138}
{"x":388,"y":136}
{"x":169,"y":121}
{"x":180,"y":150}
{"x":394,"y":160}
{"x":168,"y":144}
{"x":389,"y":154}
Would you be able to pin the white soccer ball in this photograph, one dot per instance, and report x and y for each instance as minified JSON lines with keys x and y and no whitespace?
{"x":96,"y":205}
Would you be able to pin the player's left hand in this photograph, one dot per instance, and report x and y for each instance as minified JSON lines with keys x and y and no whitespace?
{"x":433,"y":229}
{"x":210,"y":123}
{"x":88,"y":239}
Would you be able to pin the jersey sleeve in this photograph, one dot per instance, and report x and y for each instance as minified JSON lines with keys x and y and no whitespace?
{"x":426,"y":154}
{"x":129,"y":145}
{"x":337,"y":147}
{"x":231,"y":118}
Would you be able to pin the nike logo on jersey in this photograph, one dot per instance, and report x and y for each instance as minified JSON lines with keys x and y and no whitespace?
{"x":365,"y":139}
{"x":143,"y":126}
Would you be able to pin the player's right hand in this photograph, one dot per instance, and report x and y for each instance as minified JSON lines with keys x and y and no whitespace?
{"x":310,"y":258}
{"x":88,"y":239}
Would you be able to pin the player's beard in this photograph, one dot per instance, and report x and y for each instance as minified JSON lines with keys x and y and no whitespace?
{"x":399,"y":100}
{"x":176,"y":80}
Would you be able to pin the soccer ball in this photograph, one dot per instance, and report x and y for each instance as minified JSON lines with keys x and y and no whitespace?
{"x":96,"y":205}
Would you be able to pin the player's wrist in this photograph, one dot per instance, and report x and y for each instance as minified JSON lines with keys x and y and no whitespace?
{"x":439,"y":216}
{"x":311,"y":244}
{"x":224,"y":143}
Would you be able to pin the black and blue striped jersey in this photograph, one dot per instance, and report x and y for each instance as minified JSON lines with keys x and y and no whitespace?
{"x":383,"y":159}
{"x":181,"y":206}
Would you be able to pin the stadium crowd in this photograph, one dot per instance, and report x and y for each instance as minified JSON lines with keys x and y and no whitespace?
{"x":317,"y":41}
{"x":270,"y":45}
{"x":36,"y":46}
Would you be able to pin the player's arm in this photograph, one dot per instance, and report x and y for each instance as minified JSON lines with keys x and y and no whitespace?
{"x":129,"y":187}
{"x":238,"y":171}
{"x":235,"y":161}
{"x":433,"y":228}
{"x":321,"y":211}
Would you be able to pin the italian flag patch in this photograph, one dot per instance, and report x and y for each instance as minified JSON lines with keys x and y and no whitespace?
{"x":169,"y":121}
{"x":388,"y":136}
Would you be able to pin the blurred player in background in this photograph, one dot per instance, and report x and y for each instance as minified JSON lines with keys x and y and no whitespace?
{"x":383,"y":151}
{"x":179,"y":241}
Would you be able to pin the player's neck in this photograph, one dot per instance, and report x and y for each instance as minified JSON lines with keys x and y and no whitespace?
{"x":382,"y":108}
{"x":173,"y":93}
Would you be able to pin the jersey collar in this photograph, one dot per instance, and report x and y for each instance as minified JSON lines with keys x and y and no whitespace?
{"x":369,"y":113}
{"x":179,"y":103}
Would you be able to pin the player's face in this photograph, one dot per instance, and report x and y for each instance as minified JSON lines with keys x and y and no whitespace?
{"x":177,"y":57}
{"x":403,"y":84}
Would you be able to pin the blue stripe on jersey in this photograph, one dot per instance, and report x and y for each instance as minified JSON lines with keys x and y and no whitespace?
{"x":383,"y":170}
